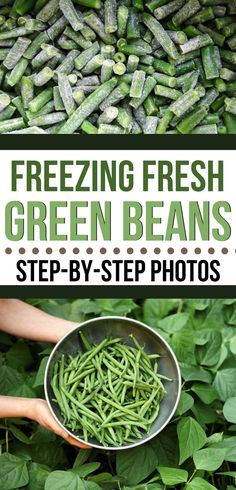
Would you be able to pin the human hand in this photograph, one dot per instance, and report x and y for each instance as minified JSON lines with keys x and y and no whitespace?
{"x":40,"y":413}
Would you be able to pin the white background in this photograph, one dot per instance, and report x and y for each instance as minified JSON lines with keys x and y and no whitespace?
{"x":228,"y":261}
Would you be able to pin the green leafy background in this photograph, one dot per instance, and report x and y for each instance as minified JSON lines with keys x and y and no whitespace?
{"x":196,"y":451}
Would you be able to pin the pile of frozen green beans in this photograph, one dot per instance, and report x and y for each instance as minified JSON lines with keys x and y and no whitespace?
{"x":110,"y":392}
{"x":118,"y":66}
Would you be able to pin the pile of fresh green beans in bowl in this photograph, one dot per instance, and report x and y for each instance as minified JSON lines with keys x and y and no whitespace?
{"x":118,"y":66}
{"x":112,"y":382}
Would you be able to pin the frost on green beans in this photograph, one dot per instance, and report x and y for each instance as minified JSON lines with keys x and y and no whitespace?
{"x":66,"y":64}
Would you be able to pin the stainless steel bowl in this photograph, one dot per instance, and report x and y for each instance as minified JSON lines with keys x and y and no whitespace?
{"x":113,"y":326}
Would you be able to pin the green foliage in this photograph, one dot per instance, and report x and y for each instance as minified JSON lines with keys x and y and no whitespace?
{"x":196,"y":451}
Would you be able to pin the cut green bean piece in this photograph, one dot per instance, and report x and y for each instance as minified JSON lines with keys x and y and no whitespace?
{"x":151,"y":125}
{"x":4,"y":101}
{"x":205,"y":129}
{"x":167,"y":92}
{"x":230,"y":105}
{"x":10,"y":125}
{"x":110,"y":16}
{"x":17,"y":72}
{"x":185,"y":102}
{"x":164,"y":67}
{"x":66,"y":94}
{"x":119,"y":68}
{"x":7,"y":113}
{"x":49,"y":9}
{"x":86,"y":56}
{"x":110,"y":129}
{"x":149,"y":85}
{"x":167,"y":9}
{"x":202,"y":16}
{"x":70,"y":13}
{"x":196,"y":43}
{"x":107,"y":70}
{"x":133,"y":30}
{"x":42,"y":77}
{"x":48,"y":119}
{"x":209,"y":62}
{"x":57,"y":28}
{"x":88,"y":106}
{"x":97,"y":25}
{"x":124,"y":118}
{"x":161,"y":35}
{"x":118,"y":94}
{"x":122,"y":19}
{"x":93,"y":64}
{"x":165,"y":80}
{"x":185,"y":12}
{"x":192,"y":120}
{"x":41,"y":99}
{"x":88,"y":128}
{"x":27,"y":91}
{"x":14,"y":33}
{"x":16,"y":52}
{"x":137,"y":84}
{"x":216,"y":37}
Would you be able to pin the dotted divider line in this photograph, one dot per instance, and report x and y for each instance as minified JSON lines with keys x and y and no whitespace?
{"x":117,"y":251}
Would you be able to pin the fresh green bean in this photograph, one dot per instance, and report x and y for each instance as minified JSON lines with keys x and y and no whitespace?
{"x":104,"y":404}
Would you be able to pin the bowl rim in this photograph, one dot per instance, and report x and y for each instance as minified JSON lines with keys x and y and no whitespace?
{"x":139,"y":442}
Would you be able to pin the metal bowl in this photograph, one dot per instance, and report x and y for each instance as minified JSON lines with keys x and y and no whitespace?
{"x":113,"y":326}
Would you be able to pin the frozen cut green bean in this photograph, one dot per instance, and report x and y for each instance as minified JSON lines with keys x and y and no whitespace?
{"x":167,"y":58}
{"x":161,"y":35}
{"x":17,"y":72}
{"x":88,"y":128}
{"x":41,"y":99}
{"x":68,"y":9}
{"x":192,"y":120}
{"x":66,"y":94}
{"x":167,"y":9}
{"x":190,"y":8}
{"x":122,"y":19}
{"x":230,"y":105}
{"x":86,"y":56}
{"x":49,"y":9}
{"x":88,"y":106}
{"x":119,"y":68}
{"x":108,"y":115}
{"x":16,"y":52}
{"x":4,"y":101}
{"x":48,"y":119}
{"x":185,"y":102}
{"x":42,"y":77}
{"x":151,"y":125}
{"x":196,"y":43}
{"x":137,"y":84}
{"x":118,"y":94}
{"x":148,"y":87}
{"x":209,"y":61}
{"x":110,"y":16}
{"x":7,"y":113}
{"x":11,"y":124}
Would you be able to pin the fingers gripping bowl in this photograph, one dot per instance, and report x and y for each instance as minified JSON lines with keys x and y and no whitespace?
{"x":114,"y":334}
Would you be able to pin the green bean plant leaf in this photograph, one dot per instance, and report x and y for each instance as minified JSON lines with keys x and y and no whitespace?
{"x":64,"y":480}
{"x":199,"y":484}
{"x":172,"y":476}
{"x":136,"y":464}
{"x":229,"y":410}
{"x":209,"y":459}
{"x":14,"y":472}
{"x":197,"y":448}
{"x":191,"y":437}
